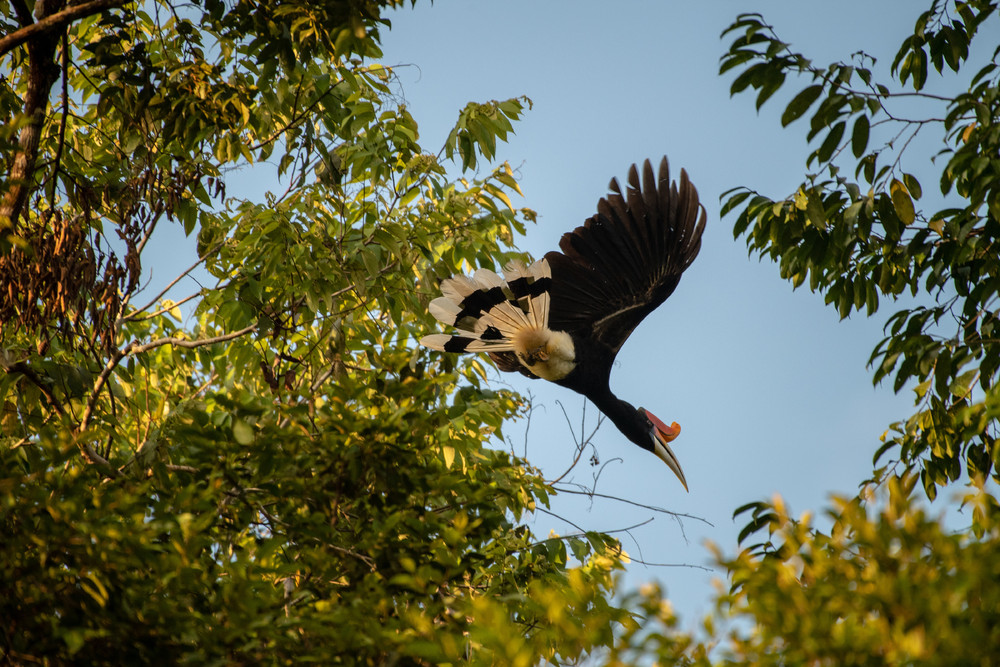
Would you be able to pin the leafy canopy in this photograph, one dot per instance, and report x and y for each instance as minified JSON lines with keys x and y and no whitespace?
{"x":855,"y":230}
{"x":880,"y":579}
{"x":275,"y":473}
{"x":267,"y":469}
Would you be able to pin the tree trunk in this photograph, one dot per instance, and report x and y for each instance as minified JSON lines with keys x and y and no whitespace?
{"x":43,"y":72}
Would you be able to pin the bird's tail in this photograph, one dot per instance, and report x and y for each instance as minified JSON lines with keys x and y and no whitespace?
{"x":488,"y":310}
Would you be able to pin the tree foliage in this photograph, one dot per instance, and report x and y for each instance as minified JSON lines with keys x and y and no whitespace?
{"x":268,"y":470}
{"x":276,"y":473}
{"x":855,"y":230}
{"x":888,"y":582}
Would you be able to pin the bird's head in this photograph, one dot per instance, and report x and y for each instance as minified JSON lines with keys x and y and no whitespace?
{"x":660,"y":435}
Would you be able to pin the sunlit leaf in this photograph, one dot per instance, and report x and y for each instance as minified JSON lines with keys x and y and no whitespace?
{"x":902,"y":202}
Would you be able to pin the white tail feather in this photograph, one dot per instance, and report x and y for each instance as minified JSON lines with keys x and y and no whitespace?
{"x":538,"y":310}
{"x":490,"y":346}
{"x":444,"y":310}
{"x":509,"y":318}
{"x":488,"y":279}
{"x":540,"y":269}
{"x":458,"y":287}
{"x":438,"y":341}
{"x":515,"y":269}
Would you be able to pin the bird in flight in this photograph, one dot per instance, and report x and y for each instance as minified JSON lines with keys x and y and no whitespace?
{"x":564,"y":317}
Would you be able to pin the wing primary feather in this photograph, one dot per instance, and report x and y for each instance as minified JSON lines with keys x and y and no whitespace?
{"x":628,"y":258}
{"x":637,"y":218}
{"x":650,"y":192}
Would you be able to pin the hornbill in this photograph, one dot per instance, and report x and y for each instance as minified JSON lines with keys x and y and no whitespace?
{"x":565,"y":317}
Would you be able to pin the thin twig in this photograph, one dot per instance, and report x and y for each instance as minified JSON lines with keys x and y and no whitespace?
{"x":62,"y":120}
{"x":636,"y":504}
{"x":584,"y":533}
{"x":133,"y":315}
{"x":581,"y":446}
{"x":648,"y":564}
{"x":527,"y":427}
{"x":582,"y":530}
{"x":190,"y":344}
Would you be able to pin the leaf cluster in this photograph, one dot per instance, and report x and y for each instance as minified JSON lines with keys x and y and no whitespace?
{"x":268,"y":469}
{"x":879,"y":579}
{"x":886,"y":583}
{"x":854,"y":229}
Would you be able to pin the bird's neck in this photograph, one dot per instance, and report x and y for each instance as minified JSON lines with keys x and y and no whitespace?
{"x":590,"y":377}
{"x":622,"y":414}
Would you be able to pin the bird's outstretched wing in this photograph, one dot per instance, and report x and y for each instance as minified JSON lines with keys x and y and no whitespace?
{"x":626,"y":260}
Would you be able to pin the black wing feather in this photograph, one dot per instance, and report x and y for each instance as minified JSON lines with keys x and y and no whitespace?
{"x":626,"y":260}
{"x":508,"y":362}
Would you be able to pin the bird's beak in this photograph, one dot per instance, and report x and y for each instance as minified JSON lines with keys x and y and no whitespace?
{"x":662,"y":435}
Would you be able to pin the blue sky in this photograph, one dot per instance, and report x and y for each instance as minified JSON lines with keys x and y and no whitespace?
{"x":771,"y":389}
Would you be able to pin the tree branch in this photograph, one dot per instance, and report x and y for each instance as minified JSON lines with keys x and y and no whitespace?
{"x":62,"y":120}
{"x":41,"y":38}
{"x":661,"y":510}
{"x":24,"y":369}
{"x":135,"y":314}
{"x":55,"y":22}
{"x":135,"y":348}
{"x":190,"y":344}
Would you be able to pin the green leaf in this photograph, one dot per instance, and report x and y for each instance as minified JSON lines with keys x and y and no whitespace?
{"x":733,"y":201}
{"x":831,"y":143}
{"x":859,"y":137}
{"x":769,"y":85}
{"x":759,"y":522}
{"x":815,"y":212}
{"x":242,"y":432}
{"x":800,"y":104}
{"x":961,"y":385}
{"x":912,"y":185}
